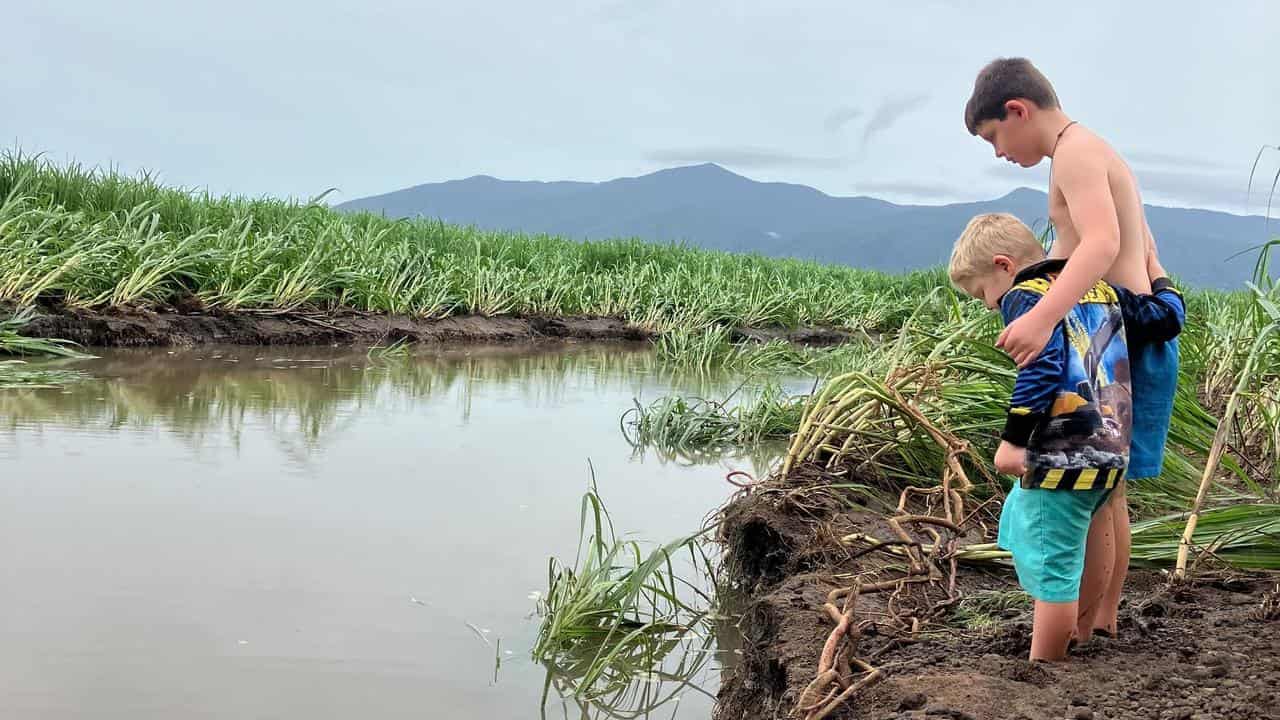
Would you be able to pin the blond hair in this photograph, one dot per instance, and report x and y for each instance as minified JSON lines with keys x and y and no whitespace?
{"x":987,"y":236}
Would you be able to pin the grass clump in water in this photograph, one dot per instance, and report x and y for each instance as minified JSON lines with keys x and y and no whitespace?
{"x":621,"y":616}
{"x":676,"y":424}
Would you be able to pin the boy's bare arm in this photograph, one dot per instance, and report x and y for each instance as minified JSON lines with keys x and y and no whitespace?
{"x":1082,"y":179}
{"x":1154,"y":269}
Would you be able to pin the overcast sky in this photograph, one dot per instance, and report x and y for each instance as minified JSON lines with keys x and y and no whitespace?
{"x":291,"y":98}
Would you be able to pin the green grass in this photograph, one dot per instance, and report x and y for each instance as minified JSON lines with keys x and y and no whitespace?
{"x":694,"y":427}
{"x":91,"y":238}
{"x":1242,"y":536}
{"x":1239,"y":535}
{"x":988,"y":608}
{"x":622,"y":616}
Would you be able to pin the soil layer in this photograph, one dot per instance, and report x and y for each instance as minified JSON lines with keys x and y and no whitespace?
{"x":176,"y":327}
{"x":1210,"y":649}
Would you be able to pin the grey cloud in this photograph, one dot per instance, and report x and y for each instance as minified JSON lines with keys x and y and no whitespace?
{"x":889,"y":113}
{"x":653,"y":73}
{"x":840,"y":117}
{"x":743,"y":157}
{"x":1220,"y":190}
{"x":1225,"y":190}
{"x":1159,"y":159}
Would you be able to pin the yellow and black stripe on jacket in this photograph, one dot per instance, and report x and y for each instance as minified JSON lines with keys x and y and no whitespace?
{"x":1072,"y":407}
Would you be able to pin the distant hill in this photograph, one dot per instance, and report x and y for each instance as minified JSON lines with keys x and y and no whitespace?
{"x":708,"y":206}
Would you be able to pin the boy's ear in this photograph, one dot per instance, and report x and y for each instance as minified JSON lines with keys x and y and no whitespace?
{"x":1003,"y":263}
{"x":1017,"y":108}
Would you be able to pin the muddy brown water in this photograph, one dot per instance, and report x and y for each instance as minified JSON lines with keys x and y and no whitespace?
{"x":310,"y":533}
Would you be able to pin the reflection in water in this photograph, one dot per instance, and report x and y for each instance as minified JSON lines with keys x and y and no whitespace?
{"x":623,"y":620}
{"x":685,"y":671}
{"x":761,"y":458}
{"x":676,"y":667}
{"x":303,"y":396}
{"x":308,"y":532}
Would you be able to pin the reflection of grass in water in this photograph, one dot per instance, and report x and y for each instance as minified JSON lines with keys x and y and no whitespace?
{"x":397,"y":349}
{"x":679,"y":422}
{"x":708,"y":350}
{"x":761,"y":459}
{"x":658,"y":675}
{"x":699,"y":431}
{"x":16,"y":374}
{"x":307,"y":400}
{"x":621,"y":624}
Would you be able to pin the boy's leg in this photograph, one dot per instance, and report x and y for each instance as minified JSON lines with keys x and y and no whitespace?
{"x":1099,"y":569}
{"x":1108,"y":616}
{"x":1052,"y":627}
{"x":1047,"y":531}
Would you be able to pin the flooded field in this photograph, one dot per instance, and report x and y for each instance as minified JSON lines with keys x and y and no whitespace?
{"x":311,"y":532}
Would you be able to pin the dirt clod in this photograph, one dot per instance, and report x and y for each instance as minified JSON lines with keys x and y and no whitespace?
{"x":912,"y":701}
{"x":947,"y":712}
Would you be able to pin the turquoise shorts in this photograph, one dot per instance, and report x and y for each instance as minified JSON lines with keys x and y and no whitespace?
{"x":1046,"y":530}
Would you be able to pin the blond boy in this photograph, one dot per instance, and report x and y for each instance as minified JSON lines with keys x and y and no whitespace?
{"x":1069,"y":423}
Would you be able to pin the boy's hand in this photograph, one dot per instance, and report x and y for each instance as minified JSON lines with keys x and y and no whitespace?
{"x":1025,"y":338}
{"x":1011,"y":459}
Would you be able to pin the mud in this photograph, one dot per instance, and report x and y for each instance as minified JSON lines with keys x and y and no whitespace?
{"x":1194,"y":652}
{"x":190,"y":325}
{"x":140,"y":328}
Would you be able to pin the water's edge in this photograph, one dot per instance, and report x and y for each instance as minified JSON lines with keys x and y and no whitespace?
{"x":173,"y":327}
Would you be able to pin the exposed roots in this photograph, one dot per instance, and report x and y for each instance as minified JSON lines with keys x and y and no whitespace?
{"x":1270,"y":608}
{"x":928,"y":538}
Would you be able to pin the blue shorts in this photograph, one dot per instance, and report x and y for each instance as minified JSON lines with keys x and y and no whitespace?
{"x":1047,"y":530}
{"x":1153,"y":370}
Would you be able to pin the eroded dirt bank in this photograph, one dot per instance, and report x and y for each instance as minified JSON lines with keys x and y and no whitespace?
{"x":1206,"y":650}
{"x":174,"y":327}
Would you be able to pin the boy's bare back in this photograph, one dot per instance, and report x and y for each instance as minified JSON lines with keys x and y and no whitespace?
{"x":1104,"y":190}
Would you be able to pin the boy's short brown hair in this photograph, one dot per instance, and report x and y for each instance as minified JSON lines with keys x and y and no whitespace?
{"x":987,"y":236}
{"x":1002,"y":80}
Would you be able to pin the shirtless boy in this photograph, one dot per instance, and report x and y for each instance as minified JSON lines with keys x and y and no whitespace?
{"x":1102,"y":231}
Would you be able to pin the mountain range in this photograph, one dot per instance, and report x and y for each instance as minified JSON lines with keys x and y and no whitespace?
{"x":711,"y":207}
